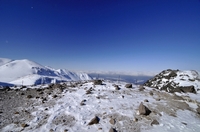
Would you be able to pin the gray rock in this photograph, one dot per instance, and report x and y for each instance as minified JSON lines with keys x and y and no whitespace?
{"x":198,"y":110}
{"x":95,"y":120}
{"x":143,"y":110}
{"x":112,"y":130}
{"x":112,"y":121}
{"x":154,"y":122}
{"x":129,"y":85}
{"x":97,"y":82}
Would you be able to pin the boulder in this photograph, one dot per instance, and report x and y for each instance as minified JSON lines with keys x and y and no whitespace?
{"x":112,"y":130}
{"x":154,"y":122}
{"x":189,"y":89}
{"x":117,"y":87}
{"x":129,"y":85}
{"x":112,"y":121}
{"x":95,"y":120}
{"x":143,"y":110}
{"x":97,"y":82}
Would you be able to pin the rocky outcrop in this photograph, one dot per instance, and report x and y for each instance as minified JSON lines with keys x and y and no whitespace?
{"x":97,"y":82}
{"x":175,"y":81}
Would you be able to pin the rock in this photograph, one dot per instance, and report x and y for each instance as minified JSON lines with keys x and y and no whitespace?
{"x":198,"y":110}
{"x":29,"y":96}
{"x":129,"y":85}
{"x":141,"y":88}
{"x":88,"y":91}
{"x":143,"y":110}
{"x":157,"y":99}
{"x":112,"y":121}
{"x":95,"y":120}
{"x":66,"y":130}
{"x":51,"y":130}
{"x":151,"y":93}
{"x":116,"y":87}
{"x":83,"y":102}
{"x":184,"y":123}
{"x":97,"y":82}
{"x":55,"y":96}
{"x":135,"y":119}
{"x":146,"y":100}
{"x":167,"y":80}
{"x":154,"y":122}
{"x":24,"y":125}
{"x":112,"y":130}
{"x":17,"y":112}
{"x":189,"y":89}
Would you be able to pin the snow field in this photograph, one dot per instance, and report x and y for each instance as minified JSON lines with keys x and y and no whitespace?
{"x":65,"y":113}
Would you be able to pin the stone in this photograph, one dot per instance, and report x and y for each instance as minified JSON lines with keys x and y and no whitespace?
{"x":157,"y":99}
{"x":154,"y":122}
{"x":184,"y":123}
{"x":112,"y":121}
{"x":143,"y":110}
{"x":189,"y":89}
{"x":129,"y":85}
{"x":88,"y":91}
{"x":198,"y":110}
{"x":117,"y":87}
{"x":29,"y":96}
{"x":135,"y":119}
{"x":95,"y":120}
{"x":24,"y":125}
{"x":112,"y":130}
{"x":151,"y":93}
{"x":54,"y":96}
{"x":97,"y":82}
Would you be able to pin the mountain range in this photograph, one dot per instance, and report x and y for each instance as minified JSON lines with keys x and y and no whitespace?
{"x":26,"y":72}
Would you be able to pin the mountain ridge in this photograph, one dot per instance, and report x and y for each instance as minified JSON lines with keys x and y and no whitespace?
{"x":28,"y":72}
{"x":175,"y":81}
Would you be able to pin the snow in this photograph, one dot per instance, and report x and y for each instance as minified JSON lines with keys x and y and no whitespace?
{"x":176,"y":124}
{"x":106,"y":102}
{"x":4,"y":61}
{"x":27,"y":72}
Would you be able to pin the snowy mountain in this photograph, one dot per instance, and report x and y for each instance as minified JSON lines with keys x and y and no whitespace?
{"x":4,"y":60}
{"x":26,"y":72}
{"x":176,"y":81}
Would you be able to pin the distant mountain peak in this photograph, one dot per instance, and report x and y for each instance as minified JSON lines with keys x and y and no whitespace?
{"x":29,"y":72}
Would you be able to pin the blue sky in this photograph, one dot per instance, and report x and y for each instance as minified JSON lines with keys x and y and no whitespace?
{"x":103,"y":35}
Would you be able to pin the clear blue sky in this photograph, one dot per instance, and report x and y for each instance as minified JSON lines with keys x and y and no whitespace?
{"x":102,"y":35}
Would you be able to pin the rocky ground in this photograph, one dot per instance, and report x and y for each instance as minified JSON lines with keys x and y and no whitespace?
{"x":103,"y":107}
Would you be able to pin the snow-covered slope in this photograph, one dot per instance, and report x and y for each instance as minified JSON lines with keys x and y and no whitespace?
{"x":4,"y":61}
{"x":171,"y":79}
{"x":63,"y":108}
{"x":27,"y":72}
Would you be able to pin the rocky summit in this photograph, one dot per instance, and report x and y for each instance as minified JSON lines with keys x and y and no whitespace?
{"x":176,"y":81}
